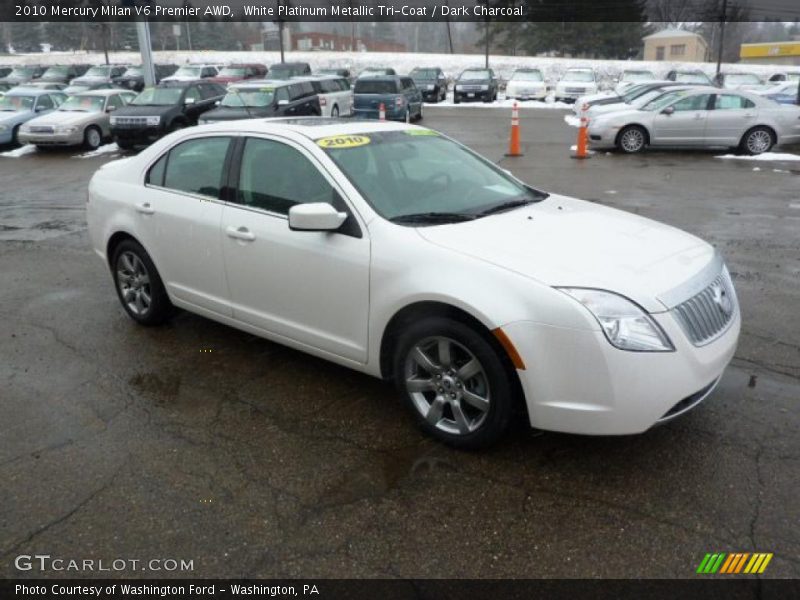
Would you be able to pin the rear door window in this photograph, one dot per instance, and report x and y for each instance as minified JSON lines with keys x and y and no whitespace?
{"x":196,"y":166}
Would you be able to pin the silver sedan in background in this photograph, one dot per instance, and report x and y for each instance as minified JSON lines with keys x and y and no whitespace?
{"x":699,"y":117}
{"x":83,"y":119}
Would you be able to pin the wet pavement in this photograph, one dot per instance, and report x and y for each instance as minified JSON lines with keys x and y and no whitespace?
{"x":195,"y":441}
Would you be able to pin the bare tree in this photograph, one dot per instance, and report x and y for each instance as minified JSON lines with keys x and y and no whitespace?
{"x":672,"y":12}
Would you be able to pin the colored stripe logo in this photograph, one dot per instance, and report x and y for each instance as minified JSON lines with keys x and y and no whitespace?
{"x":734,"y":563}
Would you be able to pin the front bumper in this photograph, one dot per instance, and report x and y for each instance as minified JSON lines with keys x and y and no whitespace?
{"x":576,"y":382}
{"x":52,"y":139}
{"x":139,"y":136}
{"x":526,"y":94}
{"x":469,"y":96}
{"x":602,"y":137}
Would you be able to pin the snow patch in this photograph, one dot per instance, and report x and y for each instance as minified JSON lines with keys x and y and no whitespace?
{"x":107,"y":149}
{"x":21,"y":151}
{"x":572,"y":120}
{"x":766,"y":156}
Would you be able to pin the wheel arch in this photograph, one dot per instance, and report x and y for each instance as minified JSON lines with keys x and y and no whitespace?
{"x":115,"y":240}
{"x":768,"y":127}
{"x":642,"y":126}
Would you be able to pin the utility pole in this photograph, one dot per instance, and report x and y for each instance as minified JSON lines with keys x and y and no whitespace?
{"x":721,"y":35}
{"x":449,"y":33}
{"x":146,"y":50}
{"x":487,"y":43}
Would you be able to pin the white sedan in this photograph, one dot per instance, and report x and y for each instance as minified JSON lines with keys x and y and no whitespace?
{"x":394,"y":250}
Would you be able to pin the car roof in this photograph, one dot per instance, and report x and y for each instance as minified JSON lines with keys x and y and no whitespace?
{"x":290,"y":65}
{"x":312,"y":128}
{"x":103,"y":92}
{"x":255,"y":83}
{"x":380,"y":78}
{"x":30,"y":91}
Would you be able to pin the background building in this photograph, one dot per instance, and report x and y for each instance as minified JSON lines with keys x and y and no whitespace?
{"x":774,"y":53}
{"x":675,"y":45}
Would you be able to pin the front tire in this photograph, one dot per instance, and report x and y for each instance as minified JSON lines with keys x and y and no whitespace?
{"x":454,"y":381}
{"x":92,"y":138}
{"x":334,"y":111}
{"x":632,"y":139}
{"x":124,"y":144}
{"x":419,"y":114}
{"x":757,"y":141}
{"x":139,"y":287}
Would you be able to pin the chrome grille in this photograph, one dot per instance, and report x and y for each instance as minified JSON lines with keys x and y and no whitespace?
{"x":706,"y":315}
{"x":40,"y":129}
{"x":130,"y":121}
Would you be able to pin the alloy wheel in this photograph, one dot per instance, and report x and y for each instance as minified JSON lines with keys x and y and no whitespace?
{"x":93,"y":138}
{"x":447,"y":385}
{"x":632,"y":140}
{"x":759,"y":141}
{"x":133,"y":282}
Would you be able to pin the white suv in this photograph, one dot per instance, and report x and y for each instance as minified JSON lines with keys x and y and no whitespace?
{"x":335,"y":94}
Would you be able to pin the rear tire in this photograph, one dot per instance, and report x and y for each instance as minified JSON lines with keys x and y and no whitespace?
{"x":757,"y":140}
{"x":124,"y":144}
{"x":334,"y":111}
{"x":462,"y":396}
{"x":419,"y":114}
{"x":139,"y":287}
{"x":632,"y":139}
{"x":15,"y":136}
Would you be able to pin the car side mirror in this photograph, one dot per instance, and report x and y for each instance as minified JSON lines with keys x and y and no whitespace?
{"x":111,"y":109}
{"x":668,"y":111}
{"x":283,"y":102}
{"x":217,"y":102}
{"x":315,"y":216}
{"x":189,"y":101}
{"x":39,"y":109}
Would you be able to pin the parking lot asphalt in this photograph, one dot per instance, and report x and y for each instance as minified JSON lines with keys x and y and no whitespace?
{"x":195,"y":441}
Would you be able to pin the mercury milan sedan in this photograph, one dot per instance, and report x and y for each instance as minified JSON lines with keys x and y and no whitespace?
{"x":82,"y":119}
{"x":396,"y":251}
{"x":699,"y":117}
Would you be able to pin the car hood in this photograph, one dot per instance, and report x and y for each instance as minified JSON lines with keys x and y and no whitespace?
{"x":84,"y":80}
{"x":65,"y":118}
{"x":618,"y":113}
{"x":524,"y":83}
{"x":563,"y":241}
{"x":15,"y":117}
{"x":225,"y":113}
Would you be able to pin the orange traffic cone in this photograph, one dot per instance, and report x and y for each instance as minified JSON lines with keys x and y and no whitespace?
{"x":382,"y":112}
{"x":581,"y":150}
{"x":513,"y":143}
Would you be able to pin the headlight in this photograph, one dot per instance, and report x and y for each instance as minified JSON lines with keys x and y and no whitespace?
{"x":23,"y":129}
{"x":113,"y":120}
{"x":430,"y":86}
{"x":484,"y":87}
{"x":457,"y":87}
{"x":3,"y":127}
{"x":65,"y":129}
{"x":625,"y":325}
{"x":153,"y":120}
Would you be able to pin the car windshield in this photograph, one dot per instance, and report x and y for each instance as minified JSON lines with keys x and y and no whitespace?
{"x":742,"y":79}
{"x":635,"y":91}
{"x":527,"y":76}
{"x":188,"y":72}
{"x":638,"y":76}
{"x":83,"y":104}
{"x":643,"y":99}
{"x":578,"y":76}
{"x":692,"y":78}
{"x":158,"y":97}
{"x":418,"y":173}
{"x":369,"y":72}
{"x":233,"y":72}
{"x":424,"y":74}
{"x":252,"y":98}
{"x":133,"y":72}
{"x":21,"y":72}
{"x":75,"y":89}
{"x":16,"y":103}
{"x":55,"y":72}
{"x":480,"y":74}
{"x":373,"y":86}
{"x":98,"y":72}
{"x":664,"y":100}
{"x":283,"y":72}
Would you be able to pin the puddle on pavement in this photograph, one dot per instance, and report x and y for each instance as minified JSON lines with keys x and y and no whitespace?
{"x":163,"y":388}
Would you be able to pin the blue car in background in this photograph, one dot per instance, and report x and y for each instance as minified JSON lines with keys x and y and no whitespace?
{"x":400,"y":97}
{"x":22,"y":104}
{"x":783,"y":93}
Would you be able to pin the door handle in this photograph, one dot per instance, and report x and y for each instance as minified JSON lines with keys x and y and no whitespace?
{"x":242,"y":233}
{"x":145,"y":208}
{"x":749,"y":115}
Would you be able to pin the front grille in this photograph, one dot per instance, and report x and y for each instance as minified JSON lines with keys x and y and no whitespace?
{"x":130,"y":121}
{"x":706,"y":315}
{"x":41,"y":129}
{"x":575,"y":90}
{"x":469,"y":88}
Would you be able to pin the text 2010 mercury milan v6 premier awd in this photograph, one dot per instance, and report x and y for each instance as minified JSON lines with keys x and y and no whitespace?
{"x":396,"y":251}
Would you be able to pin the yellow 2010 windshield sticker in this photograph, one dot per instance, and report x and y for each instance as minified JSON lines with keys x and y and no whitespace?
{"x":343,"y":141}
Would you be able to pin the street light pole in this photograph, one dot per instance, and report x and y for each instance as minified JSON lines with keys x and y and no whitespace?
{"x":721,"y":35}
{"x":146,"y":50}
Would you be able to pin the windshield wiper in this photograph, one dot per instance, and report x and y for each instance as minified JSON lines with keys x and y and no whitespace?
{"x":509,"y":205}
{"x":433,"y":217}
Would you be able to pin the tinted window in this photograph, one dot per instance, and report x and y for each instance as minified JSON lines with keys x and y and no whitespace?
{"x":155,"y":175}
{"x":115,"y":101}
{"x":44,"y":102}
{"x":192,"y":92}
{"x":275,"y":177}
{"x":730,"y":101}
{"x":408,"y":84}
{"x":372,"y":86}
{"x":196,"y":166}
